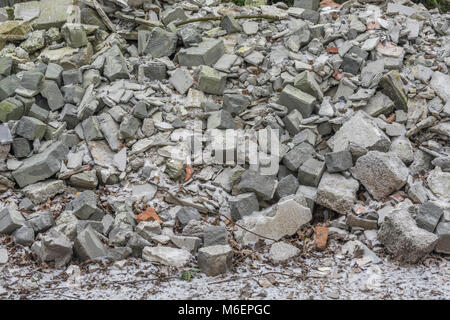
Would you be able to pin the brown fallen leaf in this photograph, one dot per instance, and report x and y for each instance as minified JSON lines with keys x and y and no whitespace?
{"x":148,"y":214}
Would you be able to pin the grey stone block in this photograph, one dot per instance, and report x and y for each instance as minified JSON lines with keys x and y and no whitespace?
{"x":235,"y":103}
{"x":53,"y":246}
{"x":404,"y":239}
{"x":429,"y":215}
{"x":338,"y":161}
{"x":41,"y":221}
{"x":287,"y":185}
{"x":215,"y":260}
{"x":115,"y":65}
{"x":393,"y":88}
{"x":337,"y":192}
{"x":84,"y":206}
{"x":443,"y":233}
{"x":264,"y":186}
{"x":294,"y":98}
{"x":155,"y":71}
{"x":31,"y":128}
{"x":310,"y":172}
{"x":220,"y":120}
{"x":298,"y":155}
{"x":88,"y":245}
{"x":230,"y":25}
{"x":206,"y":53}
{"x":159,"y":43}
{"x":24,"y":236}
{"x":243,"y":205}
{"x":8,"y":86}
{"x":215,"y":235}
{"x":41,"y":166}
{"x":292,"y":122}
{"x":186,"y":214}
{"x":10,"y":220}
{"x":212,"y":81}
{"x":181,"y":80}
{"x":306,"y":82}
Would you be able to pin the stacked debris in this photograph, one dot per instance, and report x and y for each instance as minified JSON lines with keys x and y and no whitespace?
{"x":113,"y":111}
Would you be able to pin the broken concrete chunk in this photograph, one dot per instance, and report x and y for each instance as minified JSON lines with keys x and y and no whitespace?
{"x":206,"y":53}
{"x":337,"y":192}
{"x":404,"y":239}
{"x":166,"y":255}
{"x":88,"y":245}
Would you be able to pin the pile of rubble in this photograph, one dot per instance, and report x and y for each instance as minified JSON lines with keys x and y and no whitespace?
{"x":113,"y":111}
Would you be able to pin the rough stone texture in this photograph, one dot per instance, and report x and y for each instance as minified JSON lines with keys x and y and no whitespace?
{"x":41,"y":166}
{"x":282,"y":252}
{"x":166,"y":255}
{"x":263,"y":186}
{"x":88,"y":245}
{"x":53,"y":246}
{"x":186,"y":214}
{"x":429,"y":215}
{"x":10,"y":220}
{"x":212,"y":81}
{"x":338,"y":161}
{"x":337,"y":192}
{"x":443,"y":233}
{"x":294,"y":98}
{"x":380,"y":173}
{"x":39,"y":192}
{"x":206,"y":53}
{"x":361,"y":131}
{"x":243,"y":205}
{"x":289,"y":216}
{"x":404,"y":239}
{"x":215,"y":260}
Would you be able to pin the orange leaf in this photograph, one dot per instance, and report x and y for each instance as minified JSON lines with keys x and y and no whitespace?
{"x":189,"y":172}
{"x":148,"y":214}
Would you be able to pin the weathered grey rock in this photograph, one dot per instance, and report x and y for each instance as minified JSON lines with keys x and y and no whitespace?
{"x":380,"y":173}
{"x":215,"y":235}
{"x":39,"y":192}
{"x":439,"y":183}
{"x":173,"y":14}
{"x":440,"y":83}
{"x":31,"y":128}
{"x":41,"y":166}
{"x":229,"y":24}
{"x":263,"y":185}
{"x":5,"y":134}
{"x":306,"y":82}
{"x":53,"y":14}
{"x":34,"y":42}
{"x":137,"y":244}
{"x":69,"y":116}
{"x":307,"y":4}
{"x":298,"y":155}
{"x":243,"y":205}
{"x":287,"y":216}
{"x":24,"y":236}
{"x":361,"y":131}
{"x":443,"y":233}
{"x":282,"y":252}
{"x":212,"y":81}
{"x":128,"y":127}
{"x":115,"y":65}
{"x":429,"y":215}
{"x":154,"y":70}
{"x":338,"y":161}
{"x":206,"y":53}
{"x":189,"y":35}
{"x":53,"y":246}
{"x":6,"y":64}
{"x":85,"y":179}
{"x":74,"y":76}
{"x":10,"y":220}
{"x":393,"y":88}
{"x":404,"y":239}
{"x":220,"y":120}
{"x":236,"y":103}
{"x":361,"y":222}
{"x":84,"y":206}
{"x":181,"y":80}
{"x":38,"y":112}
{"x":110,"y":130}
{"x":190,"y":244}
{"x":292,"y":122}
{"x":215,"y":260}
{"x":88,"y":245}
{"x":337,"y":192}
{"x":286,"y":186}
{"x":41,"y":221}
{"x":8,"y":86}
{"x":160,"y":43}
{"x":74,"y":34}
{"x":186,"y":214}
{"x":294,"y":98}
{"x":353,"y":60}
{"x":166,"y":255}
{"x":310,"y":172}
{"x":91,"y":129}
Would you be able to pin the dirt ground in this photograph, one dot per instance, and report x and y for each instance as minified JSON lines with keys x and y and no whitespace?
{"x":315,"y":275}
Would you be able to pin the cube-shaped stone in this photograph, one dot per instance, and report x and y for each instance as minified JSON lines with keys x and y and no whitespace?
{"x":310,"y":172}
{"x":294,"y":98}
{"x":11,"y":109}
{"x":338,"y":161}
{"x":243,"y":205}
{"x":212,"y":81}
{"x":30,"y":128}
{"x":74,"y":34}
{"x":51,"y":92}
{"x":292,"y":122}
{"x":8,"y":86}
{"x":21,"y":147}
{"x":215,"y":260}
{"x":206,"y":53}
{"x":221,"y":119}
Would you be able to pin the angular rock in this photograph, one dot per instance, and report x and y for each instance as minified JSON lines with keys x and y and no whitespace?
{"x":53,"y":246}
{"x":404,"y":239}
{"x":41,"y":166}
{"x":243,"y":205}
{"x":88,"y":245}
{"x":166,"y":255}
{"x":264,"y":186}
{"x":294,"y":98}
{"x":206,"y":53}
{"x":42,"y":191}
{"x":84,"y":206}
{"x":429,"y":215}
{"x":337,"y":192}
{"x":338,"y":161}
{"x":380,"y":173}
{"x":212,"y":81}
{"x":282,"y":252}
{"x":10,"y":220}
{"x":393,"y":88}
{"x":186,"y":214}
{"x":215,"y":260}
